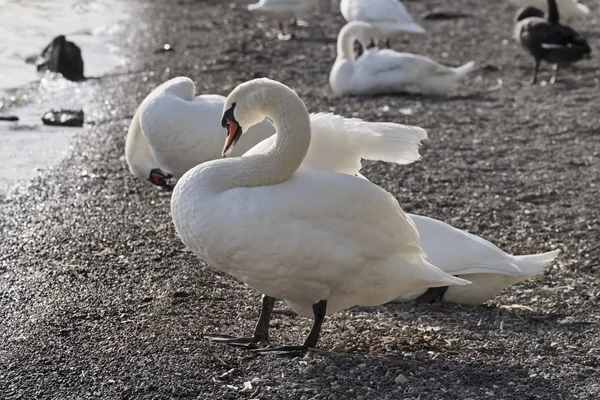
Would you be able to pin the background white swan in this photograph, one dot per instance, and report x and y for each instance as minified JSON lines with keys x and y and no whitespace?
{"x":338,"y":144}
{"x":566,"y":8}
{"x":179,"y":130}
{"x":322,"y":241}
{"x":389,"y":17}
{"x":387,"y":71}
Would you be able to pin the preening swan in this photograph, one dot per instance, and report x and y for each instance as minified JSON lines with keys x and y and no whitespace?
{"x":546,"y":39}
{"x":387,"y":71}
{"x":322,"y":241}
{"x":567,"y":8}
{"x":173,"y":131}
{"x":337,"y":144}
{"x":388,"y":17}
{"x":283,"y":10}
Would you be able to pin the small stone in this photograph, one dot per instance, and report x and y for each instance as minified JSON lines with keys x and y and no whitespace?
{"x":401,"y":379}
{"x":9,"y":118}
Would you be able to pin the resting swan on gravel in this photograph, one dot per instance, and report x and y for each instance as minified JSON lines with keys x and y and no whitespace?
{"x":185,"y":132}
{"x":388,"y":17}
{"x":322,"y":241}
{"x":387,"y":71}
{"x":567,"y":8}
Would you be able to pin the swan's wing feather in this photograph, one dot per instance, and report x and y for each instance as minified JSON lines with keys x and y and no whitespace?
{"x":458,"y":252}
{"x":389,"y":65}
{"x":338,"y":144}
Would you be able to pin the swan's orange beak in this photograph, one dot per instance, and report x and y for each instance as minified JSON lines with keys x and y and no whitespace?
{"x":234,"y":133}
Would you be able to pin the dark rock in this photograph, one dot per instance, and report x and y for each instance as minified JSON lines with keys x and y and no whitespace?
{"x":63,"y":118}
{"x":9,"y":118}
{"x":64,"y":57}
{"x":444,"y":13}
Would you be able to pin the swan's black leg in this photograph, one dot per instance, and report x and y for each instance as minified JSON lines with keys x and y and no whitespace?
{"x":554,"y":75}
{"x":386,"y":43}
{"x":535,"y":71}
{"x":432,"y":295}
{"x":261,"y":331}
{"x":319,"y":310}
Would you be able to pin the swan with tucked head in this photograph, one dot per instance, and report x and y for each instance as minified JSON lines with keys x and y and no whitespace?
{"x":320,"y":240}
{"x":387,"y":71}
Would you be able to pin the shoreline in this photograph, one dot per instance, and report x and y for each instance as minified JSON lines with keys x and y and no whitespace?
{"x":100,"y":300}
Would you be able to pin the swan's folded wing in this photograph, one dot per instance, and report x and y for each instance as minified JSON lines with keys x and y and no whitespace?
{"x":338,"y":144}
{"x":458,"y":252}
{"x":388,"y":66}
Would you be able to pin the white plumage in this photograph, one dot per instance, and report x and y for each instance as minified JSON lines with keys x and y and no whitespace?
{"x":387,"y":71}
{"x":389,"y":17}
{"x":175,"y":130}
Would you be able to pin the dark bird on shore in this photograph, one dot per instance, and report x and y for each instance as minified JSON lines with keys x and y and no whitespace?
{"x":546,"y":39}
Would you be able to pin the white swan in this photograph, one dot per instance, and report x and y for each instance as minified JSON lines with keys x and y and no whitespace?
{"x":387,"y":71}
{"x":566,"y":8}
{"x":462,"y":254}
{"x":337,"y":145}
{"x":173,"y":131}
{"x":283,"y":10}
{"x":322,"y":241}
{"x":389,"y":17}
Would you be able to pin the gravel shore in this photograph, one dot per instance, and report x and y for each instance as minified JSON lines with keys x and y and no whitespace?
{"x":99,"y":299}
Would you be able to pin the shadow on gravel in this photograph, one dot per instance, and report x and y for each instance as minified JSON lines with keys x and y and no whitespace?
{"x":395,"y":376}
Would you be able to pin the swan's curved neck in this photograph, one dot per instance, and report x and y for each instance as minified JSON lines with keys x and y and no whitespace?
{"x":348,"y":34}
{"x":278,"y":164}
{"x":138,"y":153}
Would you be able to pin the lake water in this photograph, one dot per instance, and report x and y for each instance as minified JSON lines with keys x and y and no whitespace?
{"x":26,"y":27}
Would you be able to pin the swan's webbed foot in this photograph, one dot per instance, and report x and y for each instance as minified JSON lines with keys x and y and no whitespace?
{"x":261,"y":331}
{"x":247,"y":342}
{"x":319,"y":310}
{"x":286,"y":351}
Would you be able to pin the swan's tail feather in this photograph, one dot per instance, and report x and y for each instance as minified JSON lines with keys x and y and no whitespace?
{"x":465,"y":69}
{"x":383,"y":141}
{"x":536,"y":263}
{"x":412,"y":28}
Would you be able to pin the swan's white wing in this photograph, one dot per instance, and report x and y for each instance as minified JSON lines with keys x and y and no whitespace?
{"x":338,"y":144}
{"x":389,"y":66}
{"x":458,"y":252}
